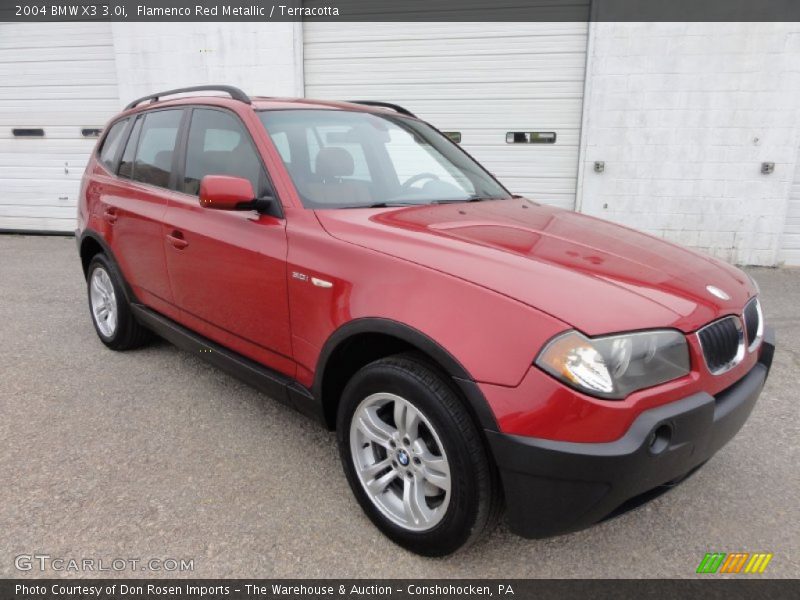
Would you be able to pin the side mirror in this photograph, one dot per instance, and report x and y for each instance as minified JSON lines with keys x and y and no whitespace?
{"x":223,"y":192}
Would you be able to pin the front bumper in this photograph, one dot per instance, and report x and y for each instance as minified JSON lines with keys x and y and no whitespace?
{"x":554,"y":487}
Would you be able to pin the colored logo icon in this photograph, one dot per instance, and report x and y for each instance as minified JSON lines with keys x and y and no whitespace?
{"x":735,"y":562}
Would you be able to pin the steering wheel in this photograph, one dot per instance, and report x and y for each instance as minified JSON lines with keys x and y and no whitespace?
{"x":418,"y":177}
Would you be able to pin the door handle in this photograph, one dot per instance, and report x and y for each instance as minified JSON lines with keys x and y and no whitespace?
{"x":110,"y":215}
{"x":176,"y":239}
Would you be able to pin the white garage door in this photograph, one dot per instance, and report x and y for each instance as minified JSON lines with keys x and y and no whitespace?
{"x":483,"y":80}
{"x":790,"y":249}
{"x":58,"y":78}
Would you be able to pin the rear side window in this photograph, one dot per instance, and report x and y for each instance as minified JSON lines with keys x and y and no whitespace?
{"x":156,"y":147}
{"x":126,"y":163}
{"x":111,"y":144}
{"x":220,"y":145}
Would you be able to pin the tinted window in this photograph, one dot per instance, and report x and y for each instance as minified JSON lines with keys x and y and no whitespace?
{"x":220,"y":145}
{"x":126,"y":163}
{"x":111,"y":143}
{"x":156,"y":147}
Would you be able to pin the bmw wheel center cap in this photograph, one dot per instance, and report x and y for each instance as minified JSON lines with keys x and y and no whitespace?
{"x":402,"y":458}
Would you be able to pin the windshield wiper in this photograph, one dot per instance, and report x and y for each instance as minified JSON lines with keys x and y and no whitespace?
{"x":386,"y":205}
{"x":470,"y":199}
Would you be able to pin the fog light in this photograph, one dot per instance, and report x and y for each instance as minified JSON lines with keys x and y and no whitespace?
{"x":659,"y":439}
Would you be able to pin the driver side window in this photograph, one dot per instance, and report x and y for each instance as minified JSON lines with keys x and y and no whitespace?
{"x":220,"y":145}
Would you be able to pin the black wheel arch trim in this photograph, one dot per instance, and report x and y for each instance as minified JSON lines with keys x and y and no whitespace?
{"x":96,"y":237}
{"x":445,"y":360}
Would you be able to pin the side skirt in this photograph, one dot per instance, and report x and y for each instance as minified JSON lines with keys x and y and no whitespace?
{"x":273,"y":384}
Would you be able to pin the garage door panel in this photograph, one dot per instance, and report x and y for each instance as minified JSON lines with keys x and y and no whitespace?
{"x":793,"y":223}
{"x":21,"y":186}
{"x":47,"y":67}
{"x":34,"y":200}
{"x":495,"y":138}
{"x":60,"y":77}
{"x":27,"y":210}
{"x":68,"y":91}
{"x":480,"y":79}
{"x":483,"y":73}
{"x":50,"y":54}
{"x":33,"y":36}
{"x":463,"y":91}
{"x":321,"y":33}
{"x":38,"y":174}
{"x":93,"y":117}
{"x":549,"y":118}
{"x":37,"y":224}
{"x":15,"y":161}
{"x":509,"y":47}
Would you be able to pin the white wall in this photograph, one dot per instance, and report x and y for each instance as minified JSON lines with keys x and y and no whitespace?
{"x":790,"y":244}
{"x":683,"y":114}
{"x":261,"y":58}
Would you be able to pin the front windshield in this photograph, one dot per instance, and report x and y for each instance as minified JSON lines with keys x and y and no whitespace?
{"x":342,"y":159}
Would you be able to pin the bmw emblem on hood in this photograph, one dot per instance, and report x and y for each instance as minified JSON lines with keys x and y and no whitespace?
{"x":715,"y":291}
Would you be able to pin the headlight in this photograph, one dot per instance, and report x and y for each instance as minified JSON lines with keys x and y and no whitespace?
{"x":616,"y":365}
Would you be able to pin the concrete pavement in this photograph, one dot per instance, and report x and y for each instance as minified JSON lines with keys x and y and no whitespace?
{"x":155,"y":454}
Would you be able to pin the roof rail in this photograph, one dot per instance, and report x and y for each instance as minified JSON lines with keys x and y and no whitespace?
{"x":395,"y":107}
{"x":234,"y":92}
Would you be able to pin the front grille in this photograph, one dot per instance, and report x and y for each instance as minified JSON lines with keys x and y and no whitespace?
{"x":752,"y":322}
{"x":722,"y":343}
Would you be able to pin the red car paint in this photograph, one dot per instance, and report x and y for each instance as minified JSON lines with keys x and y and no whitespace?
{"x":490,"y":282}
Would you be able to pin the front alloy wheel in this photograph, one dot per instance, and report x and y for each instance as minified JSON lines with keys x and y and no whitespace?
{"x":414,"y":458}
{"x":400,"y":461}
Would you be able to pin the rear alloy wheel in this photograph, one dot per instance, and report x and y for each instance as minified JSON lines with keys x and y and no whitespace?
{"x":103,"y":301}
{"x":414,"y":458}
{"x":111,"y":315}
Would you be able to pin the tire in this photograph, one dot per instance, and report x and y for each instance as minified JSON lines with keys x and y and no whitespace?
{"x":433,"y":488}
{"x":111,"y":315}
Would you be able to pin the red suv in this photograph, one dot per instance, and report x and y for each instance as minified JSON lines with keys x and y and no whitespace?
{"x":472,"y":349}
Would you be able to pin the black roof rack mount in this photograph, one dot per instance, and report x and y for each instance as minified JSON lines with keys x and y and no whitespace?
{"x":234,"y":93}
{"x":395,"y":107}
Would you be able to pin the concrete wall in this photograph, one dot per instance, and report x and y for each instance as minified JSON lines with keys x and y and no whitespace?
{"x":261,"y":58}
{"x":683,"y":114}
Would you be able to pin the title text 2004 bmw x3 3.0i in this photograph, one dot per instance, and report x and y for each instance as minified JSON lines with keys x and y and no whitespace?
{"x":471,"y":348}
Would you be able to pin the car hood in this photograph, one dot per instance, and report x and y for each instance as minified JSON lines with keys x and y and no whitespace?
{"x":596,"y":276}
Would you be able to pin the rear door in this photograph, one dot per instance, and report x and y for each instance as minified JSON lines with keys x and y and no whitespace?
{"x":228,"y":268}
{"x":134,"y":203}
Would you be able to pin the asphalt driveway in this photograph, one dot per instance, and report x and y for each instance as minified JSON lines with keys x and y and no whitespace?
{"x":155,"y":454}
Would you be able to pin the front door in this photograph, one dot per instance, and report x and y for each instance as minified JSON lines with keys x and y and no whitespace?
{"x":228,"y":268}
